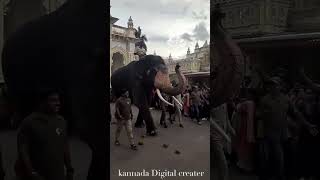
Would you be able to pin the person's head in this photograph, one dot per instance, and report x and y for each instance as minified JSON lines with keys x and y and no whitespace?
{"x":49,"y":101}
{"x":125,"y":94}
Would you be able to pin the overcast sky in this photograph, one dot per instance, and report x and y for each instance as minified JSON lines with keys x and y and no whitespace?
{"x":171,"y":26}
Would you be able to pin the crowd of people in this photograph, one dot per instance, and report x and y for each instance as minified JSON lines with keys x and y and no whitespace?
{"x":272,"y":134}
{"x":194,"y":101}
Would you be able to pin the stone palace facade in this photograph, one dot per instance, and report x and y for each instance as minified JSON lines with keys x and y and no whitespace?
{"x":195,"y":66}
{"x":198,"y":61}
{"x":254,"y":18}
{"x":122,"y":44}
{"x":272,"y":33}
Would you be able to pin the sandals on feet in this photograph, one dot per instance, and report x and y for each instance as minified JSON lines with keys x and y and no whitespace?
{"x":133,"y":147}
{"x":152,"y":133}
{"x":117,"y":143}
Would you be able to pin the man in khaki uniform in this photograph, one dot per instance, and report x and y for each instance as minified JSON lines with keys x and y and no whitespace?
{"x":124,"y":116}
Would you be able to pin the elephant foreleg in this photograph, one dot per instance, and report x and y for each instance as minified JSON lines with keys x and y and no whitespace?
{"x":147,"y":117}
{"x":139,"y":123}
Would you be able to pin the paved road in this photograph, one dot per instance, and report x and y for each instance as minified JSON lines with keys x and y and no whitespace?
{"x":192,"y":141}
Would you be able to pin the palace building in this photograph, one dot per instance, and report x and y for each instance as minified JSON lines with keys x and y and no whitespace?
{"x":274,"y":33}
{"x":122,"y":44}
{"x":195,"y":66}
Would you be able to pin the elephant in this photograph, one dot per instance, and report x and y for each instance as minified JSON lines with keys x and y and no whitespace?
{"x":141,"y":78}
{"x":65,"y":50}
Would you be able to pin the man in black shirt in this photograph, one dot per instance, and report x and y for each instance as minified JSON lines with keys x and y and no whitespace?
{"x":43,"y":149}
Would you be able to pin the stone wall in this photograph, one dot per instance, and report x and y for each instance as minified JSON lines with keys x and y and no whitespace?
{"x":305,"y":16}
{"x":122,"y":41}
{"x":255,"y":17}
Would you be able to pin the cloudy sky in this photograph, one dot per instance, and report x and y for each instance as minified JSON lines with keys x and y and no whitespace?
{"x":171,"y":26}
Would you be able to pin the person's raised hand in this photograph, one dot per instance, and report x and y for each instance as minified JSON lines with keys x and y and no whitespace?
{"x":177,"y":67}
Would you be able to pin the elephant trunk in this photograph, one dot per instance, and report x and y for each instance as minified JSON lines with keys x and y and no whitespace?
{"x":162,"y":82}
{"x":228,"y":66}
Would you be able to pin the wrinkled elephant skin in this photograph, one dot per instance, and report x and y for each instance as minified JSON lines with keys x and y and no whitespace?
{"x":141,"y":78}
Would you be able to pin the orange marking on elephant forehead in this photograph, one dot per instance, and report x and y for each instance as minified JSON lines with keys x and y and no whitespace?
{"x":162,"y":80}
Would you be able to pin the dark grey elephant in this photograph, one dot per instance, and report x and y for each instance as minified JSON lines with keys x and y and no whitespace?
{"x":141,"y":78}
{"x":65,"y":50}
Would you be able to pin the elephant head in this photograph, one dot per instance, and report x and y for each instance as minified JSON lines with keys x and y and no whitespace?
{"x":162,"y":81}
{"x":150,"y":72}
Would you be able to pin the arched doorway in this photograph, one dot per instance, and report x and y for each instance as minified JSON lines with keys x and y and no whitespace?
{"x":117,"y":61}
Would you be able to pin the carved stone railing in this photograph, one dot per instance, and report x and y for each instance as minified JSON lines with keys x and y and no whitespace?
{"x":187,"y":66}
{"x":119,"y":31}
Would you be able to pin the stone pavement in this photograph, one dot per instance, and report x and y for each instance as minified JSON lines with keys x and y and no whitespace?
{"x":192,"y":141}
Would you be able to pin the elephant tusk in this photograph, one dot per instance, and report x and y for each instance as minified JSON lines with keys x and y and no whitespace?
{"x":162,"y":99}
{"x":177,"y":101}
{"x":218,"y":128}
